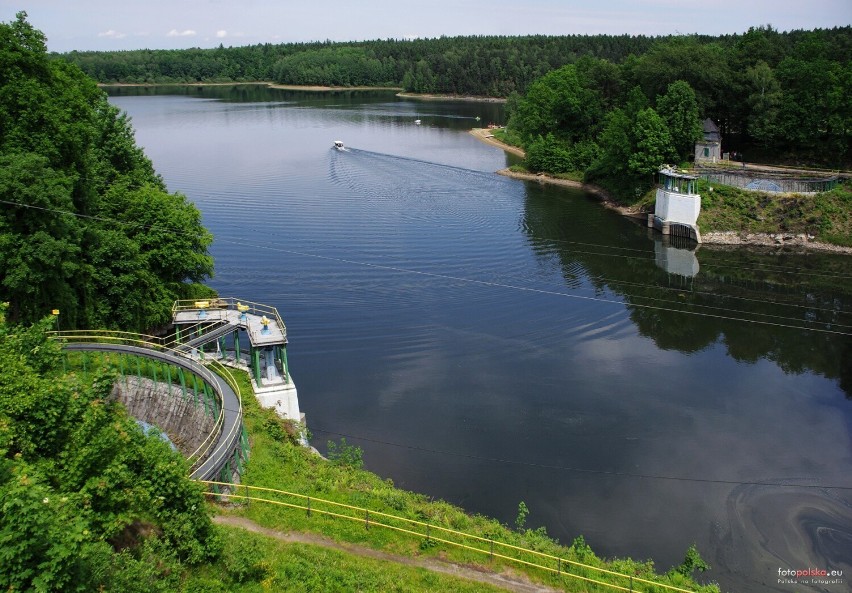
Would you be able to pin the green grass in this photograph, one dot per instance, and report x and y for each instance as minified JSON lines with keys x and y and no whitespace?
{"x":277,"y":462}
{"x":253,"y":563}
{"x":507,"y":137}
{"x":827,"y":215}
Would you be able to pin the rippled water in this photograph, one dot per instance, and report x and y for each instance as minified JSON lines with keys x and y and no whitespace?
{"x":489,"y":341}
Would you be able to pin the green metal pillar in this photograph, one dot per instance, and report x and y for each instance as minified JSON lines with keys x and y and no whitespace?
{"x":282,"y":352}
{"x":237,"y":344}
{"x":177,"y":334}
{"x":206,"y":397}
{"x":195,"y":389}
{"x":255,"y":364}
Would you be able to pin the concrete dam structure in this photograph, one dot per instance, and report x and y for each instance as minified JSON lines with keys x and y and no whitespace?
{"x":177,"y":392}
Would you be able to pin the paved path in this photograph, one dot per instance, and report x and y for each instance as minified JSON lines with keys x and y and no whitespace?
{"x":510,"y":582}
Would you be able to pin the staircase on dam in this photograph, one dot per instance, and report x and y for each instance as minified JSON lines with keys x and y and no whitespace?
{"x":245,"y":335}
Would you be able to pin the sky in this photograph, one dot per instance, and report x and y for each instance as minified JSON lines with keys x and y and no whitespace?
{"x":176,"y":24}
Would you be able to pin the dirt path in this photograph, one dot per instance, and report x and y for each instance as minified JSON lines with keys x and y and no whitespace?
{"x":514,"y":582}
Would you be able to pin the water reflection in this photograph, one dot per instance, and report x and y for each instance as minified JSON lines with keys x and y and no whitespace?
{"x":487,"y":341}
{"x":675,"y":255}
{"x":794,"y":309}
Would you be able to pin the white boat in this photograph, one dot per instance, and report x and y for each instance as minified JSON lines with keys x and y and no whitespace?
{"x":416,"y":122}
{"x":338,"y":144}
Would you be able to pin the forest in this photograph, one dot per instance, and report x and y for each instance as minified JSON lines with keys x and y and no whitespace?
{"x":86,"y":226}
{"x":775,"y":95}
{"x":617,"y":123}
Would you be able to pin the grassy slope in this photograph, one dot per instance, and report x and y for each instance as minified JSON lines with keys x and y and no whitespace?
{"x":255,"y":563}
{"x":827,"y":216}
{"x":278,"y":463}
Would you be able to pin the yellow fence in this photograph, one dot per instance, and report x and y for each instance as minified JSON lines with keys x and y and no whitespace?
{"x":419,"y":529}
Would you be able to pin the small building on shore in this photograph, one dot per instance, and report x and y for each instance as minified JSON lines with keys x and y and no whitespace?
{"x":709,"y":148}
{"x":677,"y":207}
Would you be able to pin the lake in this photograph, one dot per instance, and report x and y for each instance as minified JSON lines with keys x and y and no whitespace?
{"x":488,"y":341}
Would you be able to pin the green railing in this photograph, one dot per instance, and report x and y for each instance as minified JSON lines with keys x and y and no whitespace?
{"x":122,"y":338}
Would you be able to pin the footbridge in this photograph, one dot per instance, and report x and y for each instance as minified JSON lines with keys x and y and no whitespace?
{"x":170,"y":382}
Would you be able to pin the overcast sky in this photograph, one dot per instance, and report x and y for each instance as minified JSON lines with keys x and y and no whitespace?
{"x":158,"y":24}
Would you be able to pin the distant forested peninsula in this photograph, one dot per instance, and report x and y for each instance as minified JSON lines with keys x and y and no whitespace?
{"x":476,"y":65}
{"x":781,"y":92}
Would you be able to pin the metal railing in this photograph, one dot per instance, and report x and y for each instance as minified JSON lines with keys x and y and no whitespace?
{"x":145,"y":342}
{"x":230,"y":303}
{"x":426,"y":531}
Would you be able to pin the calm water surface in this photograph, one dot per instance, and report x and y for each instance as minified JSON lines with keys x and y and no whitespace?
{"x":489,"y":341}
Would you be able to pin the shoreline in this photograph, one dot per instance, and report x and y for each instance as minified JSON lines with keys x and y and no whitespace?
{"x":779,"y":239}
{"x":266,"y":83}
{"x":438,"y":97}
{"x":316,"y":88}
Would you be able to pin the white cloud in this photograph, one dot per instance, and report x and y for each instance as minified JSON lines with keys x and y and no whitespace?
{"x":112,"y":34}
{"x":221,"y":34}
{"x":176,"y":33}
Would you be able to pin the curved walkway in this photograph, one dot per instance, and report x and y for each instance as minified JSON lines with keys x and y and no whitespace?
{"x":231,"y":427}
{"x":516,"y":583}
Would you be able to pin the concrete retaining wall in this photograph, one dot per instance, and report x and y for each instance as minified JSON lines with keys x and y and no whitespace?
{"x":185,"y":424}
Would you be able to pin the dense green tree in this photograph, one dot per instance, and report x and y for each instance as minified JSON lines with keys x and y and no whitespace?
{"x":556,"y":104}
{"x":549,"y":154}
{"x":764,"y":101}
{"x":78,"y":478}
{"x":87,"y":226}
{"x":602,"y":77}
{"x":679,"y":110}
{"x":616,"y":143}
{"x":653,"y":144}
{"x":705,"y":66}
{"x":815,"y":112}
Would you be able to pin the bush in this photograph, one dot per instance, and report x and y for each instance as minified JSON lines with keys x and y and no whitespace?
{"x":244,"y":560}
{"x":345,"y":454}
{"x":548,"y":154}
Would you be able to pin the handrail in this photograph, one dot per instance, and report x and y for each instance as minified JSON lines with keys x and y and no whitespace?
{"x":122,"y":338}
{"x":368,"y":514}
{"x":229,"y":378}
{"x":230,"y":303}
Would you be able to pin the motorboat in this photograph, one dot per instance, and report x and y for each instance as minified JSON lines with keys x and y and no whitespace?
{"x":338,"y":144}
{"x":416,"y":122}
